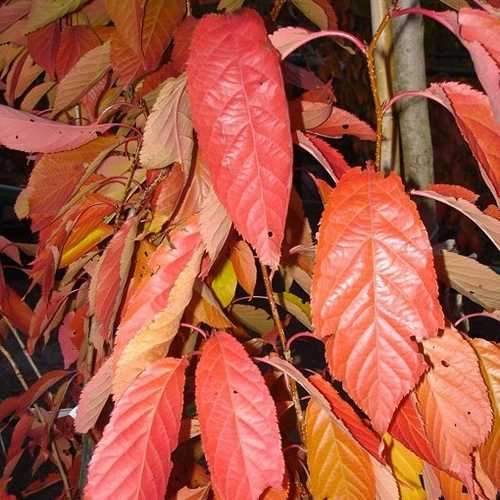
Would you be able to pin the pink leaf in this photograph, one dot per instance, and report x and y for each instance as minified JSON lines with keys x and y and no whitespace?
{"x":243,"y":125}
{"x":132,"y":460}
{"x":29,"y":133}
{"x":239,"y":427}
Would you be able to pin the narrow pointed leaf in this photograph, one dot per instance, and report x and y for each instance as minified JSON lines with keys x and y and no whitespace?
{"x":93,"y":397}
{"x":372,"y":244}
{"x":489,"y":225}
{"x":243,"y":125}
{"x":168,"y":134}
{"x":132,"y":460}
{"x":244,"y":455}
{"x":244,"y":266}
{"x":339,"y":467}
{"x":454,"y":404}
{"x":224,"y":283}
{"x":110,"y":278}
{"x":30,"y":133}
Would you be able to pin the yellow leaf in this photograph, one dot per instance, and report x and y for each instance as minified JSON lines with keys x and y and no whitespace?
{"x":204,"y":308}
{"x":407,"y":468}
{"x":74,"y":252}
{"x":253,"y":318}
{"x":296,"y":307}
{"x":224,"y":283}
{"x":230,"y":5}
{"x":339,"y":467}
{"x":153,"y":340}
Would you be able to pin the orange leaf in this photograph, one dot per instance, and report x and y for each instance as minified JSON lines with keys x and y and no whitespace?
{"x":128,"y":18}
{"x":372,"y":244}
{"x":489,"y":359}
{"x":454,"y":191}
{"x":132,"y":460}
{"x":160,"y":20}
{"x":454,"y":404}
{"x":182,"y":41}
{"x":243,"y":125}
{"x":244,"y":455}
{"x":243,"y":261}
{"x":339,"y":467}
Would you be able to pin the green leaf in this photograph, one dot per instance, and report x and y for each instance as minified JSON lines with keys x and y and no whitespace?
{"x":224,"y":283}
{"x":230,"y":5}
{"x":296,"y":307}
{"x":44,"y":12}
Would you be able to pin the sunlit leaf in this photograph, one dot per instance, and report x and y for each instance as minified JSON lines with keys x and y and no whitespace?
{"x":372,"y":244}
{"x":243,"y":125}
{"x":454,"y":403}
{"x":224,"y":283}
{"x":132,"y":460}
{"x":339,"y":467}
{"x":44,"y":12}
{"x":244,"y":456}
{"x":243,"y":261}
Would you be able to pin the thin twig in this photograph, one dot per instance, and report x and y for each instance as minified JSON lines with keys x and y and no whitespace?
{"x":372,"y":73}
{"x":188,"y":8}
{"x":23,"y":347}
{"x":286,"y":352}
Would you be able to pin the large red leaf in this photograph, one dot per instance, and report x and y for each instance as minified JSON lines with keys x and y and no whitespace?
{"x":132,"y":460}
{"x":239,"y":427}
{"x":243,"y":125}
{"x":374,"y":291}
{"x":454,"y":404}
{"x":30,"y":133}
{"x":109,"y":280}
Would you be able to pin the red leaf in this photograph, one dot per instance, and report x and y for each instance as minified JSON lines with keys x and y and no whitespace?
{"x":132,"y":460}
{"x":341,"y":123}
{"x":71,"y":334}
{"x":43,"y":45}
{"x":408,"y":428}
{"x":76,"y":41}
{"x":455,"y":191}
{"x":244,"y":454}
{"x":93,"y":397}
{"x":30,"y":133}
{"x":479,"y":26}
{"x":182,"y":41}
{"x":372,"y":245}
{"x":13,"y":307}
{"x":243,"y":125}
{"x":477,"y":124}
{"x":109,"y":280}
{"x":359,"y":429}
{"x":454,"y":404}
{"x":331,"y":159}
{"x":487,"y":224}
{"x":21,"y":403}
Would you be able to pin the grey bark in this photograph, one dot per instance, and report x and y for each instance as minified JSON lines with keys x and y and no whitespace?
{"x":413,"y":114}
